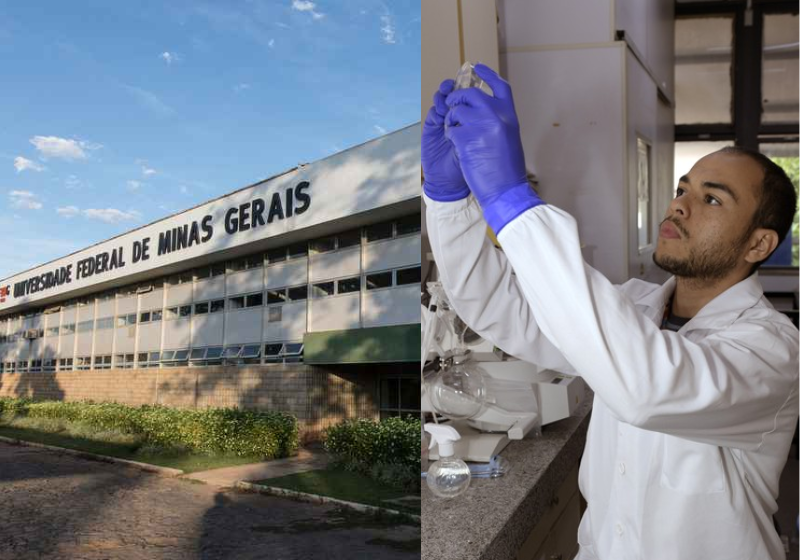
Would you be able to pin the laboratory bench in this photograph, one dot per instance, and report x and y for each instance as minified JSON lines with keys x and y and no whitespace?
{"x":531,"y":513}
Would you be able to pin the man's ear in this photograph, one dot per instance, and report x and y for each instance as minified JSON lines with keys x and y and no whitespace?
{"x":761,"y":245}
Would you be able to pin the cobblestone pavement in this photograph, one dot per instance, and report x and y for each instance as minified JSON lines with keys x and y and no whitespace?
{"x":57,"y":506}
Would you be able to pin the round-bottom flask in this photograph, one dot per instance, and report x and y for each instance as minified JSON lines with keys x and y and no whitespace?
{"x":458,"y":391}
{"x":448,"y":477}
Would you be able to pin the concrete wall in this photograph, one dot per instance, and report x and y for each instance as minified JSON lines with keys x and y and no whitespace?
{"x":317,"y":396}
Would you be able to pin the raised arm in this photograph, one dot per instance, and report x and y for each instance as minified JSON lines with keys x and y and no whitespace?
{"x":481,"y":285}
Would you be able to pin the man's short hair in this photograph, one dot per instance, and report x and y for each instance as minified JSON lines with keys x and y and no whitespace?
{"x":777,"y":201}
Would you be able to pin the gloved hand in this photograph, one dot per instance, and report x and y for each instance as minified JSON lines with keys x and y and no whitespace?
{"x":485,"y":132}
{"x":443,"y":179}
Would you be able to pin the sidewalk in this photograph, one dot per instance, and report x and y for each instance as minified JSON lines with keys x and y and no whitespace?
{"x":305,"y":460}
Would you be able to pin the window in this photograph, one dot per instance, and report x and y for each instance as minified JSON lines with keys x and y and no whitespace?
{"x":185,"y":310}
{"x":148,"y":359}
{"x":205,"y":356}
{"x":85,"y":326}
{"x":254,"y":261}
{"x":65,"y":364}
{"x":237,"y":265}
{"x":322,"y":289}
{"x":409,"y":276}
{"x":231,"y":352}
{"x":22,"y":367}
{"x":350,"y":238}
{"x":217,"y":269}
{"x":52,"y":331}
{"x":144,"y":317}
{"x":181,"y":278}
{"x":202,"y":273}
{"x":235,"y":302}
{"x":293,"y":352}
{"x":144,"y":289}
{"x":298,"y":293}
{"x":276,"y":255}
{"x":68,"y":329}
{"x":175,"y":358}
{"x":214,"y":355}
{"x":171,"y":313}
{"x":201,"y":308}
{"x":278,"y":353}
{"x":322,"y":245}
{"x":399,"y":396}
{"x":122,"y":292}
{"x":276,"y":296}
{"x":376,"y":232}
{"x":379,"y":280}
{"x":251,"y":354}
{"x":156,"y":315}
{"x":254,"y":300}
{"x":102,"y":362}
{"x":36,"y":366}
{"x":126,"y":320}
{"x":409,"y":224}
{"x":298,"y":250}
{"x":123,"y":361}
{"x":275,"y":314}
{"x":349,"y":285}
{"x":104,"y":323}
{"x":272,"y":353}
{"x":83,"y":363}
{"x":49,"y":365}
{"x":736,"y":82}
{"x":217,"y":305}
{"x":786,"y":156}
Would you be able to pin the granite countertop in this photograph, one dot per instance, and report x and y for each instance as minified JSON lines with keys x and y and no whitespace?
{"x":495,"y":516}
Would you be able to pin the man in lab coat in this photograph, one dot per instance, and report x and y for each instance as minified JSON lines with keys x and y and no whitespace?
{"x":696,"y":381}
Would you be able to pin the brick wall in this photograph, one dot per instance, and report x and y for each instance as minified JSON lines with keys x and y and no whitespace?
{"x":317,"y":396}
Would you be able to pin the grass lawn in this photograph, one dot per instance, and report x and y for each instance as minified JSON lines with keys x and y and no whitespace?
{"x":121,"y":446}
{"x":345,"y":485}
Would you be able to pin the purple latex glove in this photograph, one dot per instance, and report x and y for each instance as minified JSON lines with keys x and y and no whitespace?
{"x":443,"y":178}
{"x":485,"y":132}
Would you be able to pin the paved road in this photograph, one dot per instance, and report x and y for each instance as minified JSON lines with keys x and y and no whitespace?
{"x":57,"y":506}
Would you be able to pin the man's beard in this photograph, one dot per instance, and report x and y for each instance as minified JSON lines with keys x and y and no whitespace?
{"x":710,"y":261}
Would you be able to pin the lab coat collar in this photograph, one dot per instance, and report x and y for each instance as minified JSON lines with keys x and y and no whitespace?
{"x":719,"y":312}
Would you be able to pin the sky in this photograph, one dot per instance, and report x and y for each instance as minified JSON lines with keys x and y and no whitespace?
{"x":114,"y":115}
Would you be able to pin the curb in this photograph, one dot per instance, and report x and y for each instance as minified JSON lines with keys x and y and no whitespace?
{"x":318,"y":499}
{"x":163,"y":471}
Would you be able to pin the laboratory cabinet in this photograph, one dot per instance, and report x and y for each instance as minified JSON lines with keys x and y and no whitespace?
{"x":597,"y":131}
{"x":555,"y":536}
{"x":647,"y":27}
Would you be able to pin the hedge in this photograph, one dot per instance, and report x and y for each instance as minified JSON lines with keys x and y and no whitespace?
{"x":388,"y":450}
{"x":222,"y":430}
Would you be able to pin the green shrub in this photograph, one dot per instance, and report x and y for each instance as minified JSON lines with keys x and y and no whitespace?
{"x":214,"y":430}
{"x":387,"y":450}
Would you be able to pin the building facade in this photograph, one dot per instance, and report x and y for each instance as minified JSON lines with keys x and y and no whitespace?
{"x":313,"y":275}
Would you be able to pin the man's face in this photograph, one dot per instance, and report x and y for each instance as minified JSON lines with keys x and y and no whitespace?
{"x":708,"y":224}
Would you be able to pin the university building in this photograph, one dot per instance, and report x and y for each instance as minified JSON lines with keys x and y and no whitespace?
{"x":299,"y":293}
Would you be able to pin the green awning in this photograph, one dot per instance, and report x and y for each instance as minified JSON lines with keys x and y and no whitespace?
{"x":400,"y":343}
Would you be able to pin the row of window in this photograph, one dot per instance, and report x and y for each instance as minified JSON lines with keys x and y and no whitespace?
{"x":408,"y":225}
{"x":372,"y":281}
{"x":237,"y":354}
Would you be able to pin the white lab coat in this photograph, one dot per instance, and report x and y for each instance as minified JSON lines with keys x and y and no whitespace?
{"x":689,"y":430}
